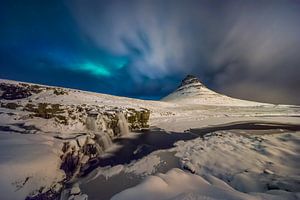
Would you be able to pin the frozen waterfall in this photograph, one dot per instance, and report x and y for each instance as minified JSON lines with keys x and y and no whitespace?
{"x":91,"y":123}
{"x":105,"y":140}
{"x":122,"y":123}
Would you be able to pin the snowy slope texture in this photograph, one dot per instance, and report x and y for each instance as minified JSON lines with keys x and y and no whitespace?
{"x":226,"y":165}
{"x":177,"y":184}
{"x":192,"y":91}
{"x":49,"y":135}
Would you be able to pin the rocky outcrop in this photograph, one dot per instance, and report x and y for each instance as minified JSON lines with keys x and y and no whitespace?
{"x":190,"y":81}
{"x":109,"y":120}
{"x":18,"y":91}
{"x":84,"y":129}
{"x":52,"y":194}
{"x":11,"y":92}
{"x":102,"y":128}
{"x":80,"y":152}
{"x":24,"y":90}
{"x":77,"y":152}
{"x":138,"y":119}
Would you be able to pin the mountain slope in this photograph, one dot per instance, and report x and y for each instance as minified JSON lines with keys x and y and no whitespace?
{"x":192,"y":91}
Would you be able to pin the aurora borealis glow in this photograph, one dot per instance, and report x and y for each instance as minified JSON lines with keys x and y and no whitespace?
{"x":140,"y":48}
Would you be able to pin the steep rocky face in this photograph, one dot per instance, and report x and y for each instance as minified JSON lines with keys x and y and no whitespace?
{"x":189,"y":80}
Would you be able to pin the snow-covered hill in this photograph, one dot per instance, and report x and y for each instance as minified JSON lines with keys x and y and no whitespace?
{"x":51,"y":135}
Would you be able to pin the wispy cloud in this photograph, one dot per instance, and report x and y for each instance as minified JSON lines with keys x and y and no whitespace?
{"x":231,"y":42}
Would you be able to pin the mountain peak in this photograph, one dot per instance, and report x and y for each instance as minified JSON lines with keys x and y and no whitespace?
{"x":190,"y":79}
{"x":190,"y":87}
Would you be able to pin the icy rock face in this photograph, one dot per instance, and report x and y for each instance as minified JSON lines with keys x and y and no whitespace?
{"x":77,"y":152}
{"x":102,"y":128}
{"x":120,"y":122}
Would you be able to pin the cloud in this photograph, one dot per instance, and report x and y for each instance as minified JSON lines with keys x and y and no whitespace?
{"x":229,"y":44}
{"x":259,"y":54}
{"x":155,"y":35}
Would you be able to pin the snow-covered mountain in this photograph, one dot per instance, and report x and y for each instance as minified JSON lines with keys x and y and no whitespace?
{"x":191,"y":87}
{"x":192,"y":91}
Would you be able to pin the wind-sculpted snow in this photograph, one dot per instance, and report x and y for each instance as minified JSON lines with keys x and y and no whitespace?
{"x":250,"y":163}
{"x":29,"y":164}
{"x":177,"y":184}
{"x":227,"y":165}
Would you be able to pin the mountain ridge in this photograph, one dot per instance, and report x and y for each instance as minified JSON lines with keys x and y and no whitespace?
{"x":189,"y":91}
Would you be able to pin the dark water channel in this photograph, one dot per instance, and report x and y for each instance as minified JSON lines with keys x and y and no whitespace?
{"x":140,"y":146}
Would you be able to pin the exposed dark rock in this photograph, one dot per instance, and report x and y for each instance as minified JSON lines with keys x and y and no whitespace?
{"x":59,"y":91}
{"x":18,"y":91}
{"x":33,"y":88}
{"x":11,"y":91}
{"x":90,"y":150}
{"x":10,"y":105}
{"x":27,"y":129}
{"x":47,"y":111}
{"x":189,"y":79}
{"x":138,"y":119}
{"x":61,"y":119}
{"x":51,"y":194}
{"x":70,"y":163}
{"x":75,"y":155}
{"x":65,"y":147}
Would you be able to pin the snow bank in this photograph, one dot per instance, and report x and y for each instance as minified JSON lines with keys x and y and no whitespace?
{"x":177,"y":184}
{"x":228,"y":166}
{"x":28,"y":163}
{"x":248,"y":163}
{"x":144,"y":166}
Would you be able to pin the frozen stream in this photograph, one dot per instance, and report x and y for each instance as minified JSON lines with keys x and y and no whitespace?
{"x":153,"y":141}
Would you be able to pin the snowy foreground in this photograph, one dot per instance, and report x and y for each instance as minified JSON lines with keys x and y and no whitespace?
{"x":49,"y":136}
{"x":227,"y":166}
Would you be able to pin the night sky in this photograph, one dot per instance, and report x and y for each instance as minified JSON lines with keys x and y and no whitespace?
{"x":143,"y":48}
